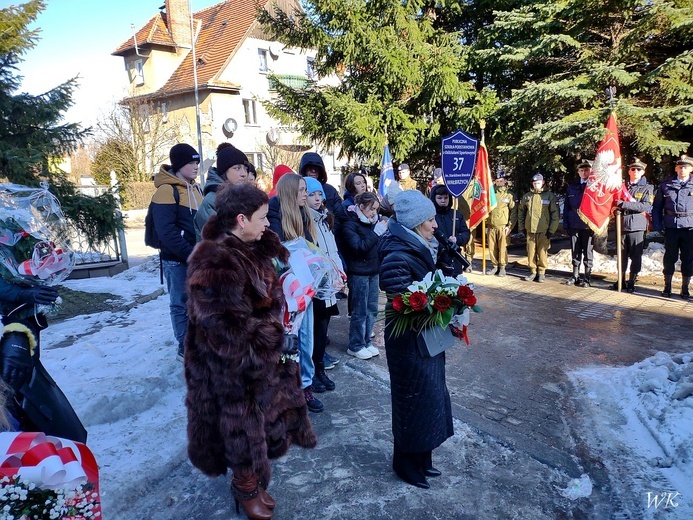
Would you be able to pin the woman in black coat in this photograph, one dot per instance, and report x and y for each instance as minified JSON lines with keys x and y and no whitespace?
{"x":421,"y":409}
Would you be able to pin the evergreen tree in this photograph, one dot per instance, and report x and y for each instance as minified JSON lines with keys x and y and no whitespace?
{"x":32,"y":137}
{"x":567,"y":53}
{"x":398,"y":73}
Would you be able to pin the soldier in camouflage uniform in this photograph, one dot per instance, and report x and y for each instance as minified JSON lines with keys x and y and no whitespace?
{"x":538,"y":214}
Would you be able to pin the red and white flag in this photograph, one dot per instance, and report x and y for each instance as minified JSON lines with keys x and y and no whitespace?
{"x":605,"y":184}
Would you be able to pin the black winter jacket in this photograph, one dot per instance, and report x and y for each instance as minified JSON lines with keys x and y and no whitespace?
{"x":421,"y":408}
{"x":635,"y":213}
{"x":333,"y":201}
{"x":444,"y":219}
{"x":573,"y":198}
{"x":673,"y":205}
{"x":358,"y":245}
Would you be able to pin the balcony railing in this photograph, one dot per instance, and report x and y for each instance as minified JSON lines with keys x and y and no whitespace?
{"x":290,"y":80}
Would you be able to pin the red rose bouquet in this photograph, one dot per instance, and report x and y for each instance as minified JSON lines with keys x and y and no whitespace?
{"x":437,"y":300}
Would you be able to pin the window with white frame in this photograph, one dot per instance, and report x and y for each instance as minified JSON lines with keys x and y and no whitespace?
{"x":164,"y":112}
{"x":262,"y":59}
{"x":250,"y":111}
{"x":139,"y":72}
{"x":257,"y":159}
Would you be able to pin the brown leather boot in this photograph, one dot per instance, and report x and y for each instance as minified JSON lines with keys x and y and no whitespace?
{"x":265,"y":497}
{"x":245,"y":490}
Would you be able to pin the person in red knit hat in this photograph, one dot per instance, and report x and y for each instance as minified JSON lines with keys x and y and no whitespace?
{"x":279,"y":172}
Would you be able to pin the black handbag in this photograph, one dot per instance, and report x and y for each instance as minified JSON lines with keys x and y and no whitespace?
{"x":46,"y":406}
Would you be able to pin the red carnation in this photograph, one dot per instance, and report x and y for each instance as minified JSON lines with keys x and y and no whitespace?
{"x":442,"y":303}
{"x":418,"y":300}
{"x":464,"y":292}
{"x":398,"y":303}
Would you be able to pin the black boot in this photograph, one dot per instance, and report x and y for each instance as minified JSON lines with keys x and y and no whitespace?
{"x":667,"y":285}
{"x":630,"y":284}
{"x":684,"y":288}
{"x":573,"y":279}
{"x":586,"y":279}
{"x":321,"y":375}
{"x":624,"y":283}
{"x":318,"y":385}
{"x":408,"y":467}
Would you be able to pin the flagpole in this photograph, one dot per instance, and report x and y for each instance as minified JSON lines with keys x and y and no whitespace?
{"x":611,"y":92}
{"x":482,"y":124}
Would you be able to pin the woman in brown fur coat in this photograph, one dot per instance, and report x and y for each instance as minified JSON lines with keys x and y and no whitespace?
{"x":245,"y":405}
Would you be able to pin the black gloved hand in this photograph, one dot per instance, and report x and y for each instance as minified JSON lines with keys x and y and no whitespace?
{"x":290,"y":347}
{"x":40,"y":295}
{"x":548,"y":234}
{"x":16,"y":359}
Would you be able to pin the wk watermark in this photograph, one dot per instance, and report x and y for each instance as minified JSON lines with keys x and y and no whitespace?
{"x":663,"y":499}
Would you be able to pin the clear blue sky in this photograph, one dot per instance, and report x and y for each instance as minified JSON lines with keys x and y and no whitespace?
{"x":77,"y":38}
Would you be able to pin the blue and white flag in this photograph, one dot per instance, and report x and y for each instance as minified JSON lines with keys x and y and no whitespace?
{"x":387,"y":173}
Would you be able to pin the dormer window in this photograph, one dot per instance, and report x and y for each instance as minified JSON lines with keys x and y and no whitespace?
{"x":139,"y":73}
{"x":262,"y":58}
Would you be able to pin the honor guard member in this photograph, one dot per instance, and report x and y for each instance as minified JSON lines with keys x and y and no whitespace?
{"x":538,"y":214}
{"x":673,"y":212}
{"x":500,"y":222}
{"x":635,"y":223}
{"x":581,"y":236}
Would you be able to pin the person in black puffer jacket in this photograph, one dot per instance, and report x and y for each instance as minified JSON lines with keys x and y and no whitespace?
{"x":421,"y":408}
{"x":444,"y":218}
{"x":357,"y":236}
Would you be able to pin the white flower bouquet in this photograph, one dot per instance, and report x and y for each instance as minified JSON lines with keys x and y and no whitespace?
{"x":47,"y":477}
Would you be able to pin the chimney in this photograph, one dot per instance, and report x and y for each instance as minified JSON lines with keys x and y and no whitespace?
{"x":178,"y":16}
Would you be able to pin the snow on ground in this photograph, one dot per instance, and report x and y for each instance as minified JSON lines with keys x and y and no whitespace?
{"x":120,"y":372}
{"x":645,"y":416}
{"x":605,"y":264}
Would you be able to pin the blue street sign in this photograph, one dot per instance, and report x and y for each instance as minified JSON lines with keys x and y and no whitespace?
{"x":458,"y":158}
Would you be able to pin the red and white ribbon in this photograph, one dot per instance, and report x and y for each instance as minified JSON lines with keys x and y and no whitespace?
{"x":48,"y":462}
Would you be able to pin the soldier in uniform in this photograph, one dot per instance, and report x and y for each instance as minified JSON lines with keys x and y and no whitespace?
{"x":581,"y":236}
{"x":635,"y":223}
{"x":500,"y":222}
{"x":673,"y":212}
{"x":538,"y":214}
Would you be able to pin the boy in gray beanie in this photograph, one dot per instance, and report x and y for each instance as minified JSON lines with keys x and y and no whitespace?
{"x":413,"y":208}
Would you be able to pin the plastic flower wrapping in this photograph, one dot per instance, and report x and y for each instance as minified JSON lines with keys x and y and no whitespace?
{"x":47,"y":477}
{"x":435,"y":301}
{"x":34,"y":243}
{"x":308,"y":274}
